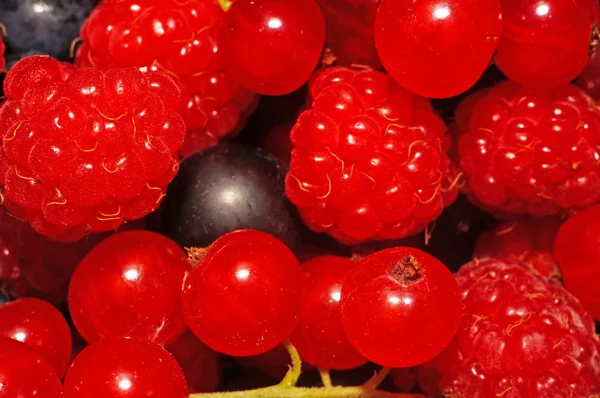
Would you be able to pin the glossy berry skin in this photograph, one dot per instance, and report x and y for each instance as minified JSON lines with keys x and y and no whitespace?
{"x":84,"y":151}
{"x":414,"y":38}
{"x":125,"y":368}
{"x":25,"y":373}
{"x":519,"y":336}
{"x":411,"y":302}
{"x":350,"y":31}
{"x":41,"y":326}
{"x":272,"y":46}
{"x":130,"y":286}
{"x":226,"y":188}
{"x":245,"y":295}
{"x":319,"y":337}
{"x":530,"y":151}
{"x":369,"y":160}
{"x":528,"y":241}
{"x":546,"y":44}
{"x":589,"y":78}
{"x":576,"y":249}
{"x":182,"y":39}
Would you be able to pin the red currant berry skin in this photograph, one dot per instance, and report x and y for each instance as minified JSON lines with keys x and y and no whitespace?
{"x":319,"y":337}
{"x":41,"y":326}
{"x":25,"y":373}
{"x":589,"y":79}
{"x":545,"y":44}
{"x":9,"y":260}
{"x":125,"y":368}
{"x":577,"y":250}
{"x":437,"y":48}
{"x":400,"y":307}
{"x":273,"y":46}
{"x":130,"y":286}
{"x":245,"y":296}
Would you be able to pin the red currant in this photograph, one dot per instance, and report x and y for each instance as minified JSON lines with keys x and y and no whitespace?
{"x":25,"y":373}
{"x":130,"y":285}
{"x":589,"y":79}
{"x":9,"y":260}
{"x":545,"y":43}
{"x":273,"y":46}
{"x":125,"y":368}
{"x":41,"y":326}
{"x":319,"y":337}
{"x":246,"y":294}
{"x":577,"y":250}
{"x":400,"y":307}
{"x":200,"y":364}
{"x":437,"y":48}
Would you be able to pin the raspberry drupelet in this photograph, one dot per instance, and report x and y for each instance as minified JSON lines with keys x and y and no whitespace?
{"x":520,"y":336}
{"x":84,"y":151}
{"x":369,"y":160}
{"x":528,"y":151}
{"x":183,"y":40}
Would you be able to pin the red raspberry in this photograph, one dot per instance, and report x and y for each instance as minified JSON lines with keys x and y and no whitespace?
{"x":528,"y":241}
{"x":368,"y":160}
{"x":182,"y":39}
{"x":87,"y":152}
{"x":530,"y":151}
{"x":519,"y":337}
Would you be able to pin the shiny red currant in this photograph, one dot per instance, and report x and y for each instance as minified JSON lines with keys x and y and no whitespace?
{"x":273,"y":46}
{"x":546,"y":43}
{"x":319,"y":337}
{"x":577,"y":250}
{"x":130,"y":286}
{"x":125,"y":368}
{"x":41,"y":326}
{"x":437,"y":48}
{"x":589,"y":79}
{"x":25,"y":373}
{"x":400,"y":307}
{"x":245,"y":295}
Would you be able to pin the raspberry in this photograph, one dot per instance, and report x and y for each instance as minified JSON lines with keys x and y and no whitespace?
{"x":368,"y":160}
{"x":85,"y":151}
{"x":181,"y":39}
{"x":531,"y":151}
{"x":519,"y":337}
{"x":527,"y":241}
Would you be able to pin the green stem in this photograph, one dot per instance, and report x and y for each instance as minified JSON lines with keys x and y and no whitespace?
{"x":325,"y":378}
{"x":293,"y":374}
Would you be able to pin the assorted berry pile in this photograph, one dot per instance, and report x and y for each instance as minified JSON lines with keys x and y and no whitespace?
{"x":300,"y":198}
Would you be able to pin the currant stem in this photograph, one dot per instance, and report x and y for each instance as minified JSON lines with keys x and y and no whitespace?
{"x":293,"y":374}
{"x":325,"y":378}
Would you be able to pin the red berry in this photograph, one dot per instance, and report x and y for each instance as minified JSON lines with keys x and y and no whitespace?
{"x":350,"y":31}
{"x":40,"y":326}
{"x":528,"y":241}
{"x":437,"y":48}
{"x":130,"y":286}
{"x":245,"y":295}
{"x":519,"y":337}
{"x":87,"y":153}
{"x":589,"y":79}
{"x":125,"y":368}
{"x":9,"y":260}
{"x":273,"y":46}
{"x":529,"y":151}
{"x":183,"y":39}
{"x":546,"y":44}
{"x":200,"y":364}
{"x":25,"y":373}
{"x":404,"y":379}
{"x":319,"y":337}
{"x":400,"y":307}
{"x":368,"y":160}
{"x":577,"y":250}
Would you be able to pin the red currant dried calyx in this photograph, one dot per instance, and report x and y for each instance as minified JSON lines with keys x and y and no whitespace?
{"x":25,"y":373}
{"x":125,"y":368}
{"x":130,"y":286}
{"x":41,"y":326}
{"x":437,"y":48}
{"x":546,"y":43}
{"x":245,"y":295}
{"x":319,"y":337}
{"x":400,"y":307}
{"x":273,"y":46}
